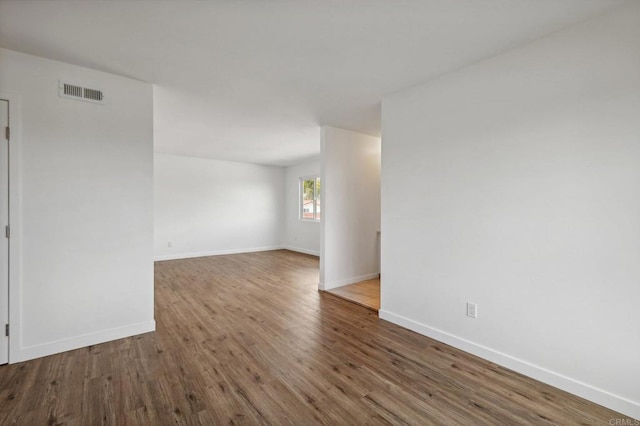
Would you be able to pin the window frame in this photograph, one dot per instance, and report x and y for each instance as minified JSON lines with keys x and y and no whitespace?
{"x":301,"y":199}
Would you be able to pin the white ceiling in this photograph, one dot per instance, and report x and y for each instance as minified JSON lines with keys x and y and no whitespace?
{"x":252,"y":80}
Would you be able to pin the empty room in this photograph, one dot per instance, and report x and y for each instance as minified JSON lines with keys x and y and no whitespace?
{"x":333,"y":212}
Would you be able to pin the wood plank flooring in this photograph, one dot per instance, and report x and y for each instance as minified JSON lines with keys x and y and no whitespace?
{"x":365,"y":293}
{"x":248,"y":339}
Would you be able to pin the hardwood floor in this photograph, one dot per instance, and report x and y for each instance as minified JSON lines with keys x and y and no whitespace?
{"x":248,"y":339}
{"x":365,"y":293}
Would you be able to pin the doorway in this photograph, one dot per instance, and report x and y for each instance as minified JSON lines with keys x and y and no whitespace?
{"x":4,"y":223}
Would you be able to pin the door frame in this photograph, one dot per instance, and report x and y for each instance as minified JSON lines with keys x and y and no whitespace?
{"x":15,"y":240}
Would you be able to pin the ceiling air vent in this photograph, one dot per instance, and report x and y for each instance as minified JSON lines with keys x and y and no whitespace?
{"x":80,"y":93}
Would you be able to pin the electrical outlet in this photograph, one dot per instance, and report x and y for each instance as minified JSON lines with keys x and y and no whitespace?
{"x":472,"y":310}
{"x":169,"y":244}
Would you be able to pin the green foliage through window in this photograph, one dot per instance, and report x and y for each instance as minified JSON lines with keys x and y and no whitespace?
{"x":310,"y":205}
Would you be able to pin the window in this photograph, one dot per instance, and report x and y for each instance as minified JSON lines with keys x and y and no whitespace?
{"x":310,"y":198}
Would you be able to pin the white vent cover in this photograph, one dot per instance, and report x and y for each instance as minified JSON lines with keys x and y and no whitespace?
{"x":80,"y":93}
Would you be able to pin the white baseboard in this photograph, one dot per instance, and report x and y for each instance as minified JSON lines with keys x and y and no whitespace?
{"x":576,"y":387}
{"x":302,"y":250}
{"x":214,"y":253}
{"x":339,"y":283}
{"x":77,"y":342}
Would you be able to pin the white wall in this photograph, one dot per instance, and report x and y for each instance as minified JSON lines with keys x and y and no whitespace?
{"x":299,"y":235}
{"x":207,"y":207}
{"x":514,"y":184}
{"x":350,"y":207}
{"x":85,"y":188}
